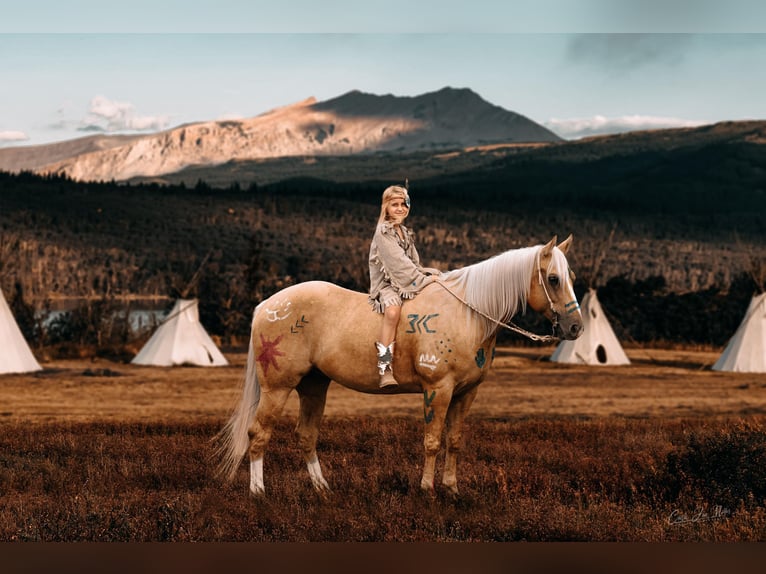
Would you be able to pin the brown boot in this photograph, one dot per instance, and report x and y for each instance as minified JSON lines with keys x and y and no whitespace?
{"x":385,"y":356}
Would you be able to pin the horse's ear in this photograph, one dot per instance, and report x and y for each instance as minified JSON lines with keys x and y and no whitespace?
{"x":548,"y":247}
{"x":566,"y":244}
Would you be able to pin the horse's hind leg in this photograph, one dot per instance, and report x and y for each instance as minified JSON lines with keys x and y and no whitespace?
{"x":456,"y":414}
{"x":313,"y":393}
{"x":266,"y":417}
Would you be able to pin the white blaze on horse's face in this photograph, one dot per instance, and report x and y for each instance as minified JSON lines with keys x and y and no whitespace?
{"x":552,"y":293}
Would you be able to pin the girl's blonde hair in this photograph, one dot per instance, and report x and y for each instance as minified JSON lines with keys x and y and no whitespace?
{"x":393,"y":192}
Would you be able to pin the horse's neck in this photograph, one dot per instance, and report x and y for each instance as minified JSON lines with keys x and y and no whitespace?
{"x":500,"y":283}
{"x":497,"y":287}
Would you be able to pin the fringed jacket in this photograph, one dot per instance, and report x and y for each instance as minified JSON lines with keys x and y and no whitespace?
{"x":394,"y":262}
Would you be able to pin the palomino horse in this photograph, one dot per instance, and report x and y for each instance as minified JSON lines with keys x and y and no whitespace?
{"x":311,"y":333}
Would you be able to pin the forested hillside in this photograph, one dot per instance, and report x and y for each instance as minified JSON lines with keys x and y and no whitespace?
{"x":107,"y":241}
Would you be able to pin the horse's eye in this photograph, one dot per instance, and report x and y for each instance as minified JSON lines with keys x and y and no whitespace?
{"x":553,"y":280}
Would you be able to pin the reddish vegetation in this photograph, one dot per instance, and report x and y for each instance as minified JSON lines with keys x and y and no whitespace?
{"x":636,"y":453}
{"x":536,"y":480}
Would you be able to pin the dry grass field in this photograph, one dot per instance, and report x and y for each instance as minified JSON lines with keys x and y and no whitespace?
{"x":523,"y":384}
{"x":661,"y":450}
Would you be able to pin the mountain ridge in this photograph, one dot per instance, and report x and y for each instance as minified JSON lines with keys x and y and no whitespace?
{"x":665,"y":147}
{"x":351,"y":124}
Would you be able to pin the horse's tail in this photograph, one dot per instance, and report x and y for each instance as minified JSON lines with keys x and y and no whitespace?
{"x":233,"y":440}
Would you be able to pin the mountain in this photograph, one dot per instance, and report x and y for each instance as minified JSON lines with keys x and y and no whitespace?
{"x":35,"y":157}
{"x":732,"y":154}
{"x":352,"y":124}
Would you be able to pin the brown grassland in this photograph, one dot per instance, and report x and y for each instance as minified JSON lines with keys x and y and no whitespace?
{"x":662,"y":450}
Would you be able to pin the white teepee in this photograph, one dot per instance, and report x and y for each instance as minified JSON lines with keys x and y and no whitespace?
{"x":15,"y":356}
{"x":598,"y":344}
{"x":181,"y":339}
{"x":746,"y":350}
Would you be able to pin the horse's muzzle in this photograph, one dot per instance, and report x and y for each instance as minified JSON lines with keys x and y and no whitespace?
{"x":570,"y":332}
{"x":574,"y":331}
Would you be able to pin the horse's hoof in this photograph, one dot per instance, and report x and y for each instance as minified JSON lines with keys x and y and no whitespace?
{"x":452,"y":492}
{"x":322,"y":488}
{"x":323,"y":493}
{"x":428,"y":490}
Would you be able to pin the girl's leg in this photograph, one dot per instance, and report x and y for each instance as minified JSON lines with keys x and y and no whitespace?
{"x":390,"y":323}
{"x":385,"y":345}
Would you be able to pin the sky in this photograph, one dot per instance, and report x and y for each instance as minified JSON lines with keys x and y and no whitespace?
{"x":579,"y":67}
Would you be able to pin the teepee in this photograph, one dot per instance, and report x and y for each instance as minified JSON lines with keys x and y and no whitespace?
{"x":746,"y":350}
{"x":181,"y":339}
{"x":598,"y":345}
{"x":15,"y":356}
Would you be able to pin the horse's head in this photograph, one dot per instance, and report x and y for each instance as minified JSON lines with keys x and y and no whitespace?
{"x":551,"y":291}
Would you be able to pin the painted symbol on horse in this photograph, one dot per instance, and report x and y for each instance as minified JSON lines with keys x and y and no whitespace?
{"x":481,"y":358}
{"x":299,"y":325}
{"x":269,"y":353}
{"x":428,"y":361}
{"x":420,"y":322}
{"x":472,"y":304}
{"x":428,"y":411}
{"x":278,"y":310}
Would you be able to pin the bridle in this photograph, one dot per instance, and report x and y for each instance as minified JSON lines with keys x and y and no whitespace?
{"x":510,"y":326}
{"x":571,"y":307}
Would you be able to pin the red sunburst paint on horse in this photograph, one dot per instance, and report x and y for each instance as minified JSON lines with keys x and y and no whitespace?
{"x":269,"y":354}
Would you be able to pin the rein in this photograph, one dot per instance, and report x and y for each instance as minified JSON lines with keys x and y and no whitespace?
{"x":572,"y":306}
{"x":510,"y":326}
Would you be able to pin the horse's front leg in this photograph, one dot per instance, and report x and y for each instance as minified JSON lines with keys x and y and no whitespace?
{"x":458,"y":409}
{"x":436,"y":400}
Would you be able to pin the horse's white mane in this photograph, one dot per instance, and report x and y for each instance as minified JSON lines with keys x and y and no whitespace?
{"x":499,"y":286}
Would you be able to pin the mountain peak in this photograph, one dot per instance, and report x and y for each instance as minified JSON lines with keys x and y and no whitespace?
{"x":353,"y":123}
{"x":357,"y":102}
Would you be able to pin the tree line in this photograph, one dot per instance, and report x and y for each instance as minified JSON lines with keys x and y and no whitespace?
{"x":105,"y":241}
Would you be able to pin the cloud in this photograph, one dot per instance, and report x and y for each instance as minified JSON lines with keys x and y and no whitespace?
{"x":107,"y":115}
{"x":91,"y":128}
{"x":8,"y":136}
{"x":675,"y":16}
{"x":576,"y":128}
{"x":623,"y":52}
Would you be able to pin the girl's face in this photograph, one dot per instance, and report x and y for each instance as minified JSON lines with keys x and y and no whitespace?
{"x":397,"y":210}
